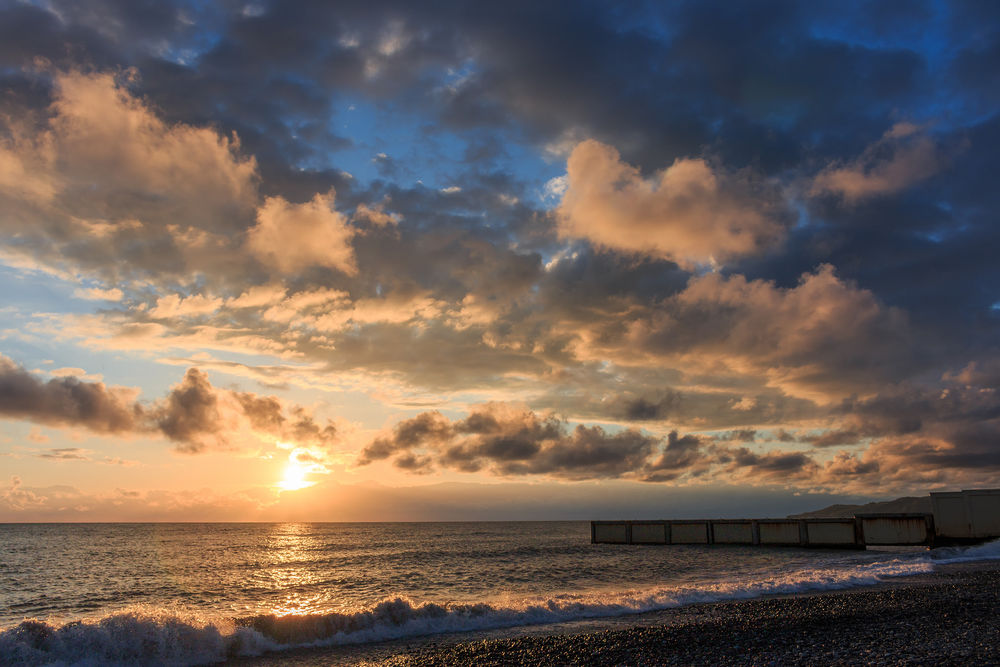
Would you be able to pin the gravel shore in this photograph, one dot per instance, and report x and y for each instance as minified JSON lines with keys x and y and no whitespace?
{"x":949,"y":617}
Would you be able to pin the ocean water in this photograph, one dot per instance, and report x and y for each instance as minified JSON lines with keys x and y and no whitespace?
{"x":199,"y":593}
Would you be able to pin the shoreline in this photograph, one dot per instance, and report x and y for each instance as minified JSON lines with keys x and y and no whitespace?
{"x":948,"y":616}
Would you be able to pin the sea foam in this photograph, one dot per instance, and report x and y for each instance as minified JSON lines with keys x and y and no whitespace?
{"x":987,"y":551}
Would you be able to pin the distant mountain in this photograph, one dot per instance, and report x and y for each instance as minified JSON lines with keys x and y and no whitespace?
{"x":910,"y":504}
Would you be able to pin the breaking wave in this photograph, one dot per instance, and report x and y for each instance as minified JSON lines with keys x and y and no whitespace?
{"x":987,"y":551}
{"x":143,"y":637}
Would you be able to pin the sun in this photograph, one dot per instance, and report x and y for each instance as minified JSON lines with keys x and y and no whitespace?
{"x":295,"y":477}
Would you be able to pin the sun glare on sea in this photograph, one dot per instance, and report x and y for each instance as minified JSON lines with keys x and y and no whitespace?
{"x":295,"y":477}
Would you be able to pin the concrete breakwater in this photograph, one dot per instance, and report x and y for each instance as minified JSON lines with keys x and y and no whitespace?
{"x":957,"y":517}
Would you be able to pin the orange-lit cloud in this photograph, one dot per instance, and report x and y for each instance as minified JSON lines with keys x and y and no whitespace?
{"x":904,"y":156}
{"x":294,"y":237}
{"x":689,"y":213}
{"x":110,"y":176}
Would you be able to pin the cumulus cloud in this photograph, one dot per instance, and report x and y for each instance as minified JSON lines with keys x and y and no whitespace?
{"x":99,"y":177}
{"x":197,"y":416}
{"x":109,"y":139}
{"x":194,"y":414}
{"x":292,"y":237}
{"x":904,"y":156}
{"x":689,"y":213}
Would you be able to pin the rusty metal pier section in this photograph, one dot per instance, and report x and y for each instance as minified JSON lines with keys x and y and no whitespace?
{"x":957,"y":517}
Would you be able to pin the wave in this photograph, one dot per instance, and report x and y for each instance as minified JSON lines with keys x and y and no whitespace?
{"x":144,"y":637}
{"x":986,"y":551}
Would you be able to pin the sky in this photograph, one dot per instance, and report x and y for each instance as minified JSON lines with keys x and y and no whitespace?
{"x":377,"y":260}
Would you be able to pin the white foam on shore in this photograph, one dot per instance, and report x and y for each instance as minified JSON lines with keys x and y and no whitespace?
{"x":987,"y":551}
{"x":139,"y":637}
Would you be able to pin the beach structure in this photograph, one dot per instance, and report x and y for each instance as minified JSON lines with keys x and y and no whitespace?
{"x":956,"y":517}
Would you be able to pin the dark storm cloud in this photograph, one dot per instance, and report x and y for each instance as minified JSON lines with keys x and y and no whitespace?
{"x":194,"y":414}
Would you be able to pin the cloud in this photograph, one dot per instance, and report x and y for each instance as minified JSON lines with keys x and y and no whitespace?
{"x":17,"y":498}
{"x":510,"y":440}
{"x":194,"y":415}
{"x":915,"y":436}
{"x":681,"y":455}
{"x":55,"y":503}
{"x":103,"y":131}
{"x":124,"y":193}
{"x":904,"y":156}
{"x":114,"y":182}
{"x":73,"y":371}
{"x":293,"y":237}
{"x":376,"y":214}
{"x":506,"y":440}
{"x":65,"y":454}
{"x":821,"y":339}
{"x":749,"y":465}
{"x":175,"y":305}
{"x":981,"y":373}
{"x":66,"y":401}
{"x":148,"y":181}
{"x":99,"y":294}
{"x":688,"y":213}
{"x":197,"y":416}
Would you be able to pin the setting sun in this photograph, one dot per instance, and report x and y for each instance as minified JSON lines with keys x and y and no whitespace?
{"x":295,"y":477}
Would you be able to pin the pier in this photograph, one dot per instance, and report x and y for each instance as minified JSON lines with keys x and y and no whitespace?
{"x":957,"y":517}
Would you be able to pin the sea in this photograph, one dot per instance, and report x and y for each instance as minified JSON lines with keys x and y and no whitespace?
{"x":189,"y":593}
